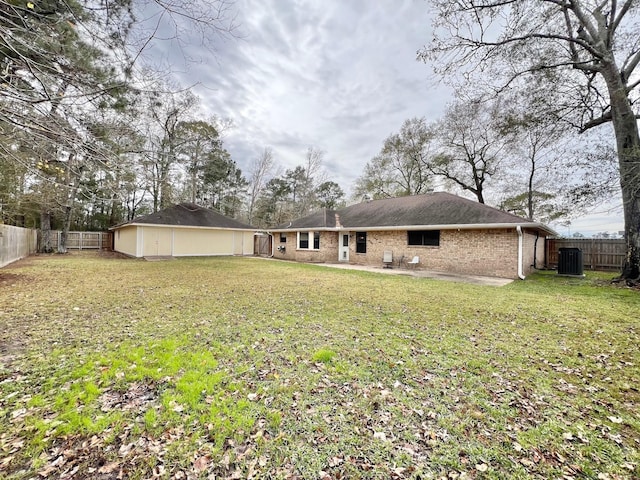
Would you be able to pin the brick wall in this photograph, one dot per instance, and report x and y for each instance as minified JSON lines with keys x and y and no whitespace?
{"x":327,"y":253}
{"x":474,"y":252}
{"x":490,"y":252}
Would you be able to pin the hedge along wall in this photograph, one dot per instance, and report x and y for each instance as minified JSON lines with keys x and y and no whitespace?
{"x":16,"y":243}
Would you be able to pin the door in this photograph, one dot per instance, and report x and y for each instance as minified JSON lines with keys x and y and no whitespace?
{"x":343,"y":251}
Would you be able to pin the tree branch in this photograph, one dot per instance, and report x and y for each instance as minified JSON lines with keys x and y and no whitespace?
{"x":630,"y":65}
{"x":616,"y":21}
{"x":605,"y":118}
{"x":632,"y":86}
{"x":544,"y":36}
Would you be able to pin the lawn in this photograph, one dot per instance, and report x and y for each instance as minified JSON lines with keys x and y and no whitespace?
{"x":248,"y":368}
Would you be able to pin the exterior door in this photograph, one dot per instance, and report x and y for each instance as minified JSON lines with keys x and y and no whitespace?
{"x":343,"y":251}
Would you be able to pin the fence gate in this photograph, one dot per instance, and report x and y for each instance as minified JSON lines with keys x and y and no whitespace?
{"x":262,"y":245}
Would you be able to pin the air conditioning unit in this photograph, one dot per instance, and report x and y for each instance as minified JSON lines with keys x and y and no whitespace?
{"x":570,"y":262}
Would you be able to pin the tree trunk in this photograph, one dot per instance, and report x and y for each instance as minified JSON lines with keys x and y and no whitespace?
{"x":45,"y":229}
{"x":64,"y":235}
{"x":72,"y":181}
{"x":625,"y":127}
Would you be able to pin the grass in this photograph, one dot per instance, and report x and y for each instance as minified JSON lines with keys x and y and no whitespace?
{"x":245,"y":368}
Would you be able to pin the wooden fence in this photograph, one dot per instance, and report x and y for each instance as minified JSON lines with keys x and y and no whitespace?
{"x":597,"y":253}
{"x":16,"y":243}
{"x":83,"y":240}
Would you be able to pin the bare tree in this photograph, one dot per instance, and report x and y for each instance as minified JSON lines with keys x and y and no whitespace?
{"x":261,"y":168}
{"x":470,"y":149}
{"x":584,"y":53}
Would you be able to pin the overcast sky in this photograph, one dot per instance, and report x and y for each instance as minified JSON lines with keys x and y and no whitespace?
{"x":336,"y":75}
{"x":339,"y":76}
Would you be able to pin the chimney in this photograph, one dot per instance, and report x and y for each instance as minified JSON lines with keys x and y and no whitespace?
{"x":338,"y":225}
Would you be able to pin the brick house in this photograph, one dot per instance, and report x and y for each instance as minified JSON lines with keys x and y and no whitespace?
{"x":446,"y":232}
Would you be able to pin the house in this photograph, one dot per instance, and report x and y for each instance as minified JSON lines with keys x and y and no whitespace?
{"x":446,"y":232}
{"x":183,"y":230}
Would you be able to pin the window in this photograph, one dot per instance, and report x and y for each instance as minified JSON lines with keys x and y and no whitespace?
{"x":283,"y":237}
{"x":305,"y":238}
{"x":427,"y":238}
{"x":361,"y":242}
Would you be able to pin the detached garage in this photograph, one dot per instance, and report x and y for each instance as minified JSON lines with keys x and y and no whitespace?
{"x":181,"y":231}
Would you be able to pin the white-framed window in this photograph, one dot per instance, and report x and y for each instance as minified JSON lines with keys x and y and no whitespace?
{"x":309,"y":240}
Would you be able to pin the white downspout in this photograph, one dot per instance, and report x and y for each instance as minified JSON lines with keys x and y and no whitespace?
{"x":520,"y":246}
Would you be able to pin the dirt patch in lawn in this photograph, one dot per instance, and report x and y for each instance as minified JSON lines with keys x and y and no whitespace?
{"x":10,"y":278}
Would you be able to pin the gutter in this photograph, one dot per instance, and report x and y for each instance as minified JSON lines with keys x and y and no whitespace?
{"x":462,"y":226}
{"x":520,"y":246}
{"x":115,"y":227}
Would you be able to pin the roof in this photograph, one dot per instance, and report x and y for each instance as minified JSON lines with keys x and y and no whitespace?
{"x":436,"y":209}
{"x":188,"y":215}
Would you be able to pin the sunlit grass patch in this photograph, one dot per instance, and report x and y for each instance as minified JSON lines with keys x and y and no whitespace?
{"x":323,"y":355}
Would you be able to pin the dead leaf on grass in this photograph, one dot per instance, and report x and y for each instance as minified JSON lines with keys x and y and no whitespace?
{"x":201,"y":463}
{"x":109,"y":468}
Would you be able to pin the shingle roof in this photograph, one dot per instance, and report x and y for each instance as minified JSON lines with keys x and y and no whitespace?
{"x":190,"y":215}
{"x":436,"y":208}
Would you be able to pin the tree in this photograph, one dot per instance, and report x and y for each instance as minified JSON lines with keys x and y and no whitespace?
{"x":470,"y":147}
{"x":223,"y":183}
{"x":538,"y":161}
{"x":329,"y":195}
{"x":401,"y":166}
{"x":198,"y":142}
{"x":260,"y":169}
{"x":168,"y":111}
{"x":63,"y":62}
{"x":272,"y":206}
{"x":303,"y":181}
{"x":583,"y":53}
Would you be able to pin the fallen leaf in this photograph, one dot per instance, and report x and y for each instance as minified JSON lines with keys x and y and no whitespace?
{"x":482,"y":467}
{"x":109,"y":468}
{"x":380,"y":436}
{"x":201,"y":464}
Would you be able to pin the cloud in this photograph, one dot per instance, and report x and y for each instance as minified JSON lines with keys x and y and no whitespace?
{"x":338,"y":76}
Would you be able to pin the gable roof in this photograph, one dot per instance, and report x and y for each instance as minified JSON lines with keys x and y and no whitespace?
{"x":436,"y":210}
{"x":188,"y":215}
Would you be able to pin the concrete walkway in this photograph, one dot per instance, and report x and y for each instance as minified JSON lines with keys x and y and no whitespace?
{"x":451,"y":277}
